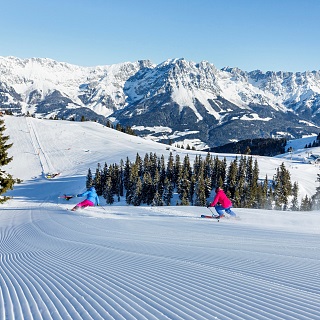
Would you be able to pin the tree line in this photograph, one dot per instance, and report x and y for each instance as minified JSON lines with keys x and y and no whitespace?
{"x":6,"y":179}
{"x":259,"y":146}
{"x":152,"y":180}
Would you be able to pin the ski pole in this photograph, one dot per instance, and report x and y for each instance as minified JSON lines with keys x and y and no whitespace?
{"x":210,"y":210}
{"x":213,"y":214}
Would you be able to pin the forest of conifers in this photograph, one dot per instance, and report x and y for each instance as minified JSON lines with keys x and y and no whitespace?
{"x":152,"y":180}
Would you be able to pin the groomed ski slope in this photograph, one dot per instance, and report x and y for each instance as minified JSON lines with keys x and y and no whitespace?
{"x":125,"y":262}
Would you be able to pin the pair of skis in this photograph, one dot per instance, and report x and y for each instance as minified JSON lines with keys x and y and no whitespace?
{"x":217,"y":217}
{"x":212,"y":216}
{"x":52,"y":175}
{"x":66,"y":197}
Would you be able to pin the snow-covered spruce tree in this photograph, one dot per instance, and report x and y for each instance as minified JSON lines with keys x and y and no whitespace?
{"x":168,"y":192}
{"x":232,"y":177}
{"x":97,"y":180}
{"x":282,"y":187}
{"x":183,"y":188}
{"x":107,"y":191}
{"x":126,"y":174}
{"x":241,"y":180}
{"x":137,"y":193}
{"x":116,"y":178}
{"x":132,"y":184}
{"x":120,"y":180}
{"x":316,"y":196}
{"x":157,"y":200}
{"x":264,"y":194}
{"x":170,"y":168}
{"x":147,"y":188}
{"x":6,"y":179}
{"x":177,"y":170}
{"x":208,"y":163}
{"x":89,"y":180}
{"x":253,"y":186}
{"x":200,"y":192}
{"x":306,"y":204}
{"x":294,"y":201}
{"x":104,"y":174}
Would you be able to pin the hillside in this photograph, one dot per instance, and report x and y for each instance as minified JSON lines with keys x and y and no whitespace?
{"x":126,"y":262}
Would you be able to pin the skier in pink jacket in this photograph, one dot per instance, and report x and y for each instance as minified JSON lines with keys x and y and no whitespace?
{"x":222,"y":202}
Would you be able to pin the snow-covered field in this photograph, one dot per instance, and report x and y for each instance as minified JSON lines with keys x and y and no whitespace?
{"x":125,"y":262}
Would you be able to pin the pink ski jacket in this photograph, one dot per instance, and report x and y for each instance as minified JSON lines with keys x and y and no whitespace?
{"x":222,"y":199}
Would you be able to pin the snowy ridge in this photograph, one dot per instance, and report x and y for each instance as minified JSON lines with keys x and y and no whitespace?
{"x":125,"y":262}
{"x":182,"y":95}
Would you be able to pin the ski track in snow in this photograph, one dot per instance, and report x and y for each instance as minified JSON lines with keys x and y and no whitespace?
{"x":167,"y":268}
{"x":128,"y":262}
{"x":45,"y":162}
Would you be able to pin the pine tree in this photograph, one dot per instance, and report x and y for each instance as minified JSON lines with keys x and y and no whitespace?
{"x":107,"y":191}
{"x":196,"y":165}
{"x":120,"y":180}
{"x":192,"y":189}
{"x":215,"y":172}
{"x":208,"y":163}
{"x":168,"y":192}
{"x":139,"y":165}
{"x":157,"y":201}
{"x":201,"y":198}
{"x":97,"y":181}
{"x":89,"y":180}
{"x":237,"y":198}
{"x":137,"y":193}
{"x":162,"y":170}
{"x":187,"y":167}
{"x":153,"y":164}
{"x":183,"y":188}
{"x":170,"y":168}
{"x":156,"y":185}
{"x":241,"y":181}
{"x":294,"y":201}
{"x":305,"y":204}
{"x":232,"y":177}
{"x":126,"y":174}
{"x":177,"y":170}
{"x":286,"y":185}
{"x":105,"y":173}
{"x":316,"y":196}
{"x":264,"y":194}
{"x":270,"y":199}
{"x":6,"y":180}
{"x":252,"y":186}
{"x":277,"y":190}
{"x":131,"y":184}
{"x":147,"y":188}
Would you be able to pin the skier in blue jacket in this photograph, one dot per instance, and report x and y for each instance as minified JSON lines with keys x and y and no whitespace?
{"x":91,"y":200}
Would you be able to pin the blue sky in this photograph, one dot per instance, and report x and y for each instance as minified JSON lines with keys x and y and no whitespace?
{"x":249,"y":34}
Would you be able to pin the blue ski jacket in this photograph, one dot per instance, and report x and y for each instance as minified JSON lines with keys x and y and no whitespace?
{"x":91,"y":195}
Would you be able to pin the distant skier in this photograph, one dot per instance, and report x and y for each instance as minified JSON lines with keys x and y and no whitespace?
{"x":91,"y":200}
{"x":222,"y":202}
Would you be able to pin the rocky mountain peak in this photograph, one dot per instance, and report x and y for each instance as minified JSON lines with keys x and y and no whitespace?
{"x":190,"y":100}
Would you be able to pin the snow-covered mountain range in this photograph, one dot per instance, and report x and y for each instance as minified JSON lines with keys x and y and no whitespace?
{"x":176,"y":100}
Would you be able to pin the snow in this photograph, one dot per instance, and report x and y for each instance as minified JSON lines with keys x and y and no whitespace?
{"x":125,"y":262}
